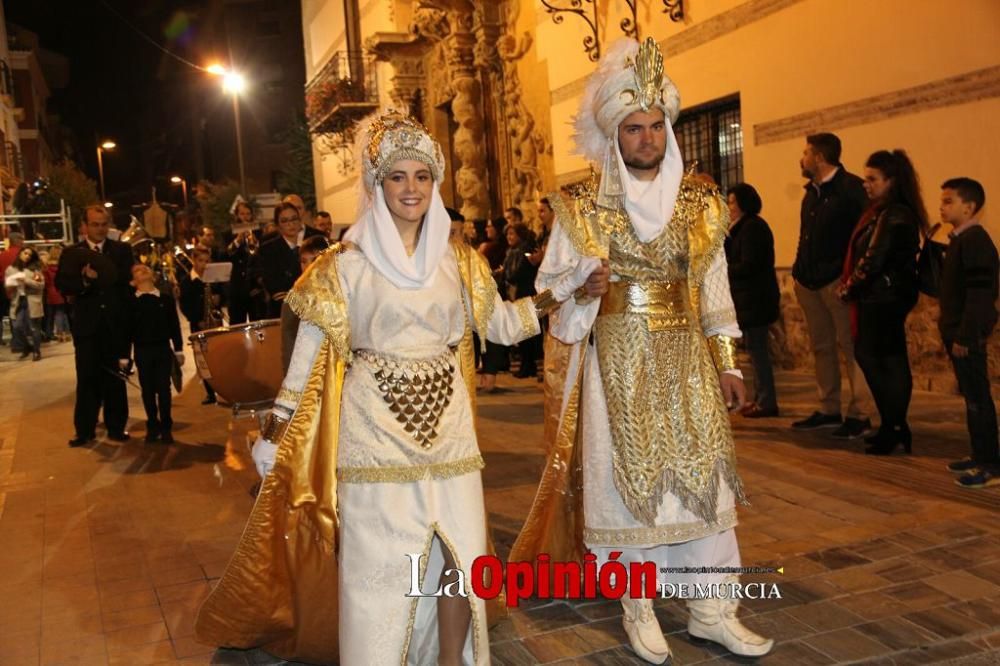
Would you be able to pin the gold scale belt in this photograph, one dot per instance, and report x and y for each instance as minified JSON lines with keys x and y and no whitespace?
{"x":666,"y":305}
{"x":416,"y":390}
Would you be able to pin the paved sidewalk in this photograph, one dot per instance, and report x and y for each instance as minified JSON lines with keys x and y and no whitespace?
{"x":107,"y":551}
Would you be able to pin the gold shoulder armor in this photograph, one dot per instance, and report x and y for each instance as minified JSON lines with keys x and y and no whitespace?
{"x":318,"y":299}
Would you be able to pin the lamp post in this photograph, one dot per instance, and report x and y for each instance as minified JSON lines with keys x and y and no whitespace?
{"x":234,"y":84}
{"x":106,"y":145}
{"x":177,"y":180}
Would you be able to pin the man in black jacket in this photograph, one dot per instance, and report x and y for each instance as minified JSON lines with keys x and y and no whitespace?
{"x":97,"y":288}
{"x":200,"y":314}
{"x":833,"y":202}
{"x":276,"y":265}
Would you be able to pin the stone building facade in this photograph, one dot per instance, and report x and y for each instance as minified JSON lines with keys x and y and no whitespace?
{"x":498,"y":81}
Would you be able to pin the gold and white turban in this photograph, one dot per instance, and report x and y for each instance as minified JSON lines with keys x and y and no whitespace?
{"x":384,"y":139}
{"x":630,"y":78}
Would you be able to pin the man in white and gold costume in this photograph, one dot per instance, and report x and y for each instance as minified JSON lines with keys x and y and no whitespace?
{"x":651,"y":371}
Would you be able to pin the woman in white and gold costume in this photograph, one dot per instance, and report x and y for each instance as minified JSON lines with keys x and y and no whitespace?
{"x":370,"y":452}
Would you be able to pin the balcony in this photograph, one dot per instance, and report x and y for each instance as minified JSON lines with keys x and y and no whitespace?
{"x":343,"y":92}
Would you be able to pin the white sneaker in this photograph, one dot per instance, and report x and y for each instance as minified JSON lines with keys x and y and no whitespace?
{"x":715,"y":620}
{"x":644,"y":631}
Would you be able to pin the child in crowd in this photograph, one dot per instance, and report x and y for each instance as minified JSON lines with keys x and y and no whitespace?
{"x":153,"y":325}
{"x":968,"y":314}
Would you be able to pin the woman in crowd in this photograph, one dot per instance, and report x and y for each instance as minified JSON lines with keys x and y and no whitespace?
{"x":240,"y":249}
{"x":372,"y":433}
{"x":880,"y":282}
{"x":25,"y":283}
{"x":519,"y":281}
{"x":57,"y":322}
{"x":494,"y":249}
{"x":754,"y":286}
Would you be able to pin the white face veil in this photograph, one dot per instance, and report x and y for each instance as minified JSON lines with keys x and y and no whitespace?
{"x":630,"y":78}
{"x":385,"y":140}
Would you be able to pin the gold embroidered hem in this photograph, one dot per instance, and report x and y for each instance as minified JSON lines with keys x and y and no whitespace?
{"x":660,"y":534}
{"x":410,"y":473}
{"x":528,"y":316}
{"x":717,"y":319}
{"x":289,"y":396}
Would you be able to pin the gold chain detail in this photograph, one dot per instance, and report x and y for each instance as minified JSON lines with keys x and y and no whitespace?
{"x":410,"y":473}
{"x":287,"y":395}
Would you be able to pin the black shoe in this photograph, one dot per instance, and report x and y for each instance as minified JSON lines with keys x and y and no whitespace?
{"x":817,"y":420}
{"x":881,"y":436}
{"x":210,"y":400}
{"x":37,"y":356}
{"x":982,"y":478}
{"x":524,"y":375}
{"x":122,"y":436}
{"x":963,"y":466}
{"x":152,"y":436}
{"x":81,"y":440}
{"x":25,"y":354}
{"x":887,"y":445}
{"x":167,"y":437}
{"x":755,"y":411}
{"x":852,"y":428}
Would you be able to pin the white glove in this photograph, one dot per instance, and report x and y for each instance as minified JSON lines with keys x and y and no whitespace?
{"x":180,"y":358}
{"x":576,"y":279}
{"x":263,"y":453}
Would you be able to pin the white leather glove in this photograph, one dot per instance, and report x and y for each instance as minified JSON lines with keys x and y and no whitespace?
{"x":576,"y":279}
{"x":180,"y":358}
{"x":263,"y":453}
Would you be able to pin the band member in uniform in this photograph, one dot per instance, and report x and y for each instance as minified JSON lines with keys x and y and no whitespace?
{"x":94,"y":274}
{"x":153,"y":326}
{"x":199,"y":302}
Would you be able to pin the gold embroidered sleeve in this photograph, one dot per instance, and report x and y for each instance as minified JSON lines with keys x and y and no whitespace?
{"x":317,"y":298}
{"x":479,"y":285}
{"x":723,"y":350}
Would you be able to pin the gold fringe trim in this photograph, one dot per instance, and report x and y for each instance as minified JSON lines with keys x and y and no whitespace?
{"x":661,"y":534}
{"x":410,"y":473}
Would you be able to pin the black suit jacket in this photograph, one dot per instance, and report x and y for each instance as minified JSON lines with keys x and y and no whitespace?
{"x":276,"y":267}
{"x":828,"y":217}
{"x":752,"y":280}
{"x":95,"y":306}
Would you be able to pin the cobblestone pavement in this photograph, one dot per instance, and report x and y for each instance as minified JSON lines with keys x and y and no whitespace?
{"x":106,"y":552}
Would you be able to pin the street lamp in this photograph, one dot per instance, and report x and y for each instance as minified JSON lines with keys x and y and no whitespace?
{"x":234,"y":84}
{"x":106,"y":145}
{"x":177,"y":180}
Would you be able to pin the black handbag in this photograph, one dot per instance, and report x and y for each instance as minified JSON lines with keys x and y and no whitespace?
{"x":930,"y":264}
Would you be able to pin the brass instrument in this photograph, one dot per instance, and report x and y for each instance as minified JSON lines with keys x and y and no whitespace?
{"x":213,"y":316}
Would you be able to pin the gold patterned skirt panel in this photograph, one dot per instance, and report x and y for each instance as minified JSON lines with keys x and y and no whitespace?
{"x":669,"y":426}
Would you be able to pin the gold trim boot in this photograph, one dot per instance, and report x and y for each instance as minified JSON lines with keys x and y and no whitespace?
{"x":644,"y":631}
{"x":715,"y":620}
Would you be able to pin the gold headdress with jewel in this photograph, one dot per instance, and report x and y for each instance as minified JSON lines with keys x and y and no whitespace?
{"x":648,"y":68}
{"x":390,"y":136}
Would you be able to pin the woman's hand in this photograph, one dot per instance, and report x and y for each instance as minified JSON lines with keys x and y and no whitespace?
{"x":263,"y":454}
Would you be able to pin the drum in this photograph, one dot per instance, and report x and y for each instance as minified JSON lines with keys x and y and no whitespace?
{"x":242,"y":363}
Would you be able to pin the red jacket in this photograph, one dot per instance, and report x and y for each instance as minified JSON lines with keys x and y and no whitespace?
{"x":52,"y":295}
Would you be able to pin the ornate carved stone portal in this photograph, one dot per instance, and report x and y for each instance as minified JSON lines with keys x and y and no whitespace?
{"x":453,"y":49}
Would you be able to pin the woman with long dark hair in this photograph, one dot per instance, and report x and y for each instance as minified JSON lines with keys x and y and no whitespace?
{"x":26,"y":284}
{"x":519,"y":279}
{"x":497,"y":357}
{"x":880,"y":281}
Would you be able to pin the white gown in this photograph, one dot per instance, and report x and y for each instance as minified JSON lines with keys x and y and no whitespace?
{"x":396,"y":497}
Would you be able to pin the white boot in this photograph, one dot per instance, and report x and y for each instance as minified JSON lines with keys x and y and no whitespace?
{"x":644,"y":631}
{"x":715,"y":620}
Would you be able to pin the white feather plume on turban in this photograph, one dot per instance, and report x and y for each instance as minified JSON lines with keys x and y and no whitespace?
{"x":606,"y":101}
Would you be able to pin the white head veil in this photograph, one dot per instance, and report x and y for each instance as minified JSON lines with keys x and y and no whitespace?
{"x":385,"y":139}
{"x":630,"y":78}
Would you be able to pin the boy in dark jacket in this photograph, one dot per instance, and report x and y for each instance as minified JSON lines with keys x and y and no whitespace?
{"x":153,"y":326}
{"x":969,"y":285}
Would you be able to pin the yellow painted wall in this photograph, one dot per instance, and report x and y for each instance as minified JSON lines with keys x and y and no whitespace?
{"x":811,"y":55}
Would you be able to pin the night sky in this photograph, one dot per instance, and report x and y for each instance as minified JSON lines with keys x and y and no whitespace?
{"x":121,"y":86}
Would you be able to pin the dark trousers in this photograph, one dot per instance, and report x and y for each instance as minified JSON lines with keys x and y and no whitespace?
{"x":239,"y":306}
{"x":530,"y":351}
{"x":763,"y":374}
{"x":496,"y":359}
{"x":209,"y":391}
{"x":97,"y":386}
{"x":980,"y":413}
{"x":154,"y":363}
{"x":880,"y":350}
{"x":29,"y":329}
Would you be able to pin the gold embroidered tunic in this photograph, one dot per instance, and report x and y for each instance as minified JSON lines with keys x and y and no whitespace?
{"x":657,"y":464}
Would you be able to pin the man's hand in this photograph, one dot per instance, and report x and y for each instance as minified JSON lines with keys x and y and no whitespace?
{"x":733,"y":391}
{"x":959,"y":351}
{"x":597,"y":283}
{"x":89,"y":272}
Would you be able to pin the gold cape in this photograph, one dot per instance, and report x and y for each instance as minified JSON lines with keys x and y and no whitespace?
{"x":279,"y":590}
{"x":555,"y":522}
